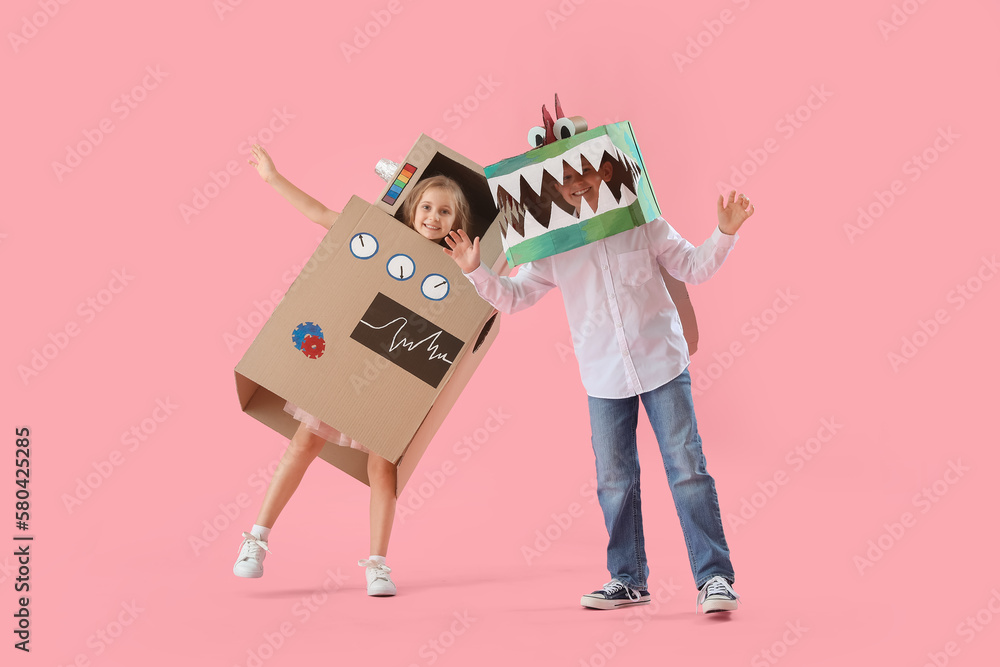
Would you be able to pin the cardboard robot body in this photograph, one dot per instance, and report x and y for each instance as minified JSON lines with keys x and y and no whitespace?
{"x":380,"y":332}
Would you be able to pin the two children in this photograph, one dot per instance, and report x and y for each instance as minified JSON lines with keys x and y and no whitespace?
{"x":637,"y":354}
{"x":435,"y":208}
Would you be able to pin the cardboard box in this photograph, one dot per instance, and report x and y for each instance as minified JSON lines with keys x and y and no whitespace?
{"x":537,"y":220}
{"x":380,"y":332}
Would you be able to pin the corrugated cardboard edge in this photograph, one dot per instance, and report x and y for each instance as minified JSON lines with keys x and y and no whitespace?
{"x":442,"y":407}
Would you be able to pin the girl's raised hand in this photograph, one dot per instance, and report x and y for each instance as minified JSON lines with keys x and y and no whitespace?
{"x":264,"y":165}
{"x":734,"y":213}
{"x":462,"y":250}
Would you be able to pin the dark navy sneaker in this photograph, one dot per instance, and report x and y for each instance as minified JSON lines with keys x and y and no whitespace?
{"x":615,"y":595}
{"x":717,"y":595}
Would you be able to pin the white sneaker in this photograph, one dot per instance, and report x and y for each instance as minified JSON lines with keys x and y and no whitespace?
{"x":377,"y":574}
{"x":250,"y":562}
{"x":717,"y":595}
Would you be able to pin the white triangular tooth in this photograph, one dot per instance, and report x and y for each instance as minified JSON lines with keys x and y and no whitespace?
{"x":605,"y":200}
{"x":533,"y":175}
{"x":510,"y":215}
{"x":628,"y":197}
{"x":575,"y":160}
{"x":505,"y":218}
{"x":511,"y":247}
{"x":532,"y":228}
{"x":512,"y":184}
{"x":637,"y":168}
{"x":561,"y":218}
{"x":554,"y":166}
{"x":585,"y":211}
{"x":593,"y":150}
{"x":506,"y":240}
{"x":493,"y":185}
{"x":509,"y":182}
{"x":512,"y":234}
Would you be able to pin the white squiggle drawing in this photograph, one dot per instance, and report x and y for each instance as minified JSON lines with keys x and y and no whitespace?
{"x":430,"y":340}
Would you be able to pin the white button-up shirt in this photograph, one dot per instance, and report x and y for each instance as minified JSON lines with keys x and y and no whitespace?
{"x":627,"y":334}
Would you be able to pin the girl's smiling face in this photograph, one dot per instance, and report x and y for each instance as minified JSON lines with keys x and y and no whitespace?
{"x":435,"y":214}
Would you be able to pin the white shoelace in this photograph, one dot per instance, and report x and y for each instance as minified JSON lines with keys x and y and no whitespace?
{"x":381,"y":569}
{"x":715,"y":586}
{"x":615,"y":585}
{"x":253,"y":544}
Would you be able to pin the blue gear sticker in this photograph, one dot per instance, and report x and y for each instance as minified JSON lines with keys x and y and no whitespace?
{"x":305,"y":329}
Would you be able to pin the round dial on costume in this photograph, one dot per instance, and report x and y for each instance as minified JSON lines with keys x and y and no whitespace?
{"x":363,"y":245}
{"x":400,"y":267}
{"x":435,"y":287}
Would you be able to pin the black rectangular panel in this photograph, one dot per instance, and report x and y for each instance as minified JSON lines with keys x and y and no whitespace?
{"x":416,"y":345}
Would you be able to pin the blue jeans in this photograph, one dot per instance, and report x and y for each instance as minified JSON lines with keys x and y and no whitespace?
{"x":670,"y":409}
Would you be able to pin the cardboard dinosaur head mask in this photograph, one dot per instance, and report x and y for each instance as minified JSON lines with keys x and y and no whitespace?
{"x":574,"y":186}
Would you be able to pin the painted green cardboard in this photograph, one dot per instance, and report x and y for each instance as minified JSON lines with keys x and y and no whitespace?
{"x":538,"y":220}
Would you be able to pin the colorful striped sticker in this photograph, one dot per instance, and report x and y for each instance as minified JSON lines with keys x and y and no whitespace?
{"x":397,"y":186}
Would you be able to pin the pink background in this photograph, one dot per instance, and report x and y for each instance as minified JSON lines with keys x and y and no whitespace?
{"x":125,"y":554}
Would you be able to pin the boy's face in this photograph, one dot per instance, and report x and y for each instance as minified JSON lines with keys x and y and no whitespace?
{"x":586,"y":186}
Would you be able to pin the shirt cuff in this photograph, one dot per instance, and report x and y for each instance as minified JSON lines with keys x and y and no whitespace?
{"x":722,"y":239}
{"x":478,"y":275}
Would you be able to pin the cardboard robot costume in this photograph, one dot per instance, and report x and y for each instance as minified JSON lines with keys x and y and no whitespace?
{"x":379,"y":322}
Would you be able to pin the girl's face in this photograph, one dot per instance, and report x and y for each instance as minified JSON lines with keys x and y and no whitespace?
{"x":435,"y":214}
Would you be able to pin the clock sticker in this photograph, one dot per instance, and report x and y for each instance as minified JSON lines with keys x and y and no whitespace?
{"x":435,"y":287}
{"x":363,"y":245}
{"x":400,"y":267}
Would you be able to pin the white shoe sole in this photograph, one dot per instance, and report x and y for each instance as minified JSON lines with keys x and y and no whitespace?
{"x":381,"y":591}
{"x":712,"y":606}
{"x":595,"y":602}
{"x":247,"y":574}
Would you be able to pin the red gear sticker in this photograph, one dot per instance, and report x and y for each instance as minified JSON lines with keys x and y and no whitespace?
{"x":313,"y":346}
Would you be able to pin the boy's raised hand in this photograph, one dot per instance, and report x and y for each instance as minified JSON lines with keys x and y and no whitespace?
{"x":462,"y":250}
{"x":734,"y":213}
{"x":264,"y":165}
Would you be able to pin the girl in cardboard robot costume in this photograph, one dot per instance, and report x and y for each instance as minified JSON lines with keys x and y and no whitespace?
{"x":435,"y":208}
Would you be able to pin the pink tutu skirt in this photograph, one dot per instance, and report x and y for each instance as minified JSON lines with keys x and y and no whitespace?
{"x":321,"y":428}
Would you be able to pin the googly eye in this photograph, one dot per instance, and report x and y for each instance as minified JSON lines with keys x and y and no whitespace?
{"x":536,"y":136}
{"x":564,"y":128}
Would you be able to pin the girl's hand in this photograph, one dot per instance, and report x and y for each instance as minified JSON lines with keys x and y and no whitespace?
{"x":734,"y":214}
{"x":464,"y":252}
{"x":264,"y":165}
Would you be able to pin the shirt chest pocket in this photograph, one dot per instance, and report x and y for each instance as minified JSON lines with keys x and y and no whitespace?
{"x":636,"y":267}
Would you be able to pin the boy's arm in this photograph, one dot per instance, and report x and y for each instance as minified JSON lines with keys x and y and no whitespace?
{"x":683,"y":260}
{"x":508,"y":295}
{"x":694,"y":265}
{"x":308,"y":206}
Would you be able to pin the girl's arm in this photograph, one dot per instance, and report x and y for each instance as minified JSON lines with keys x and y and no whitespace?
{"x":679,"y":295}
{"x":308,"y":206}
